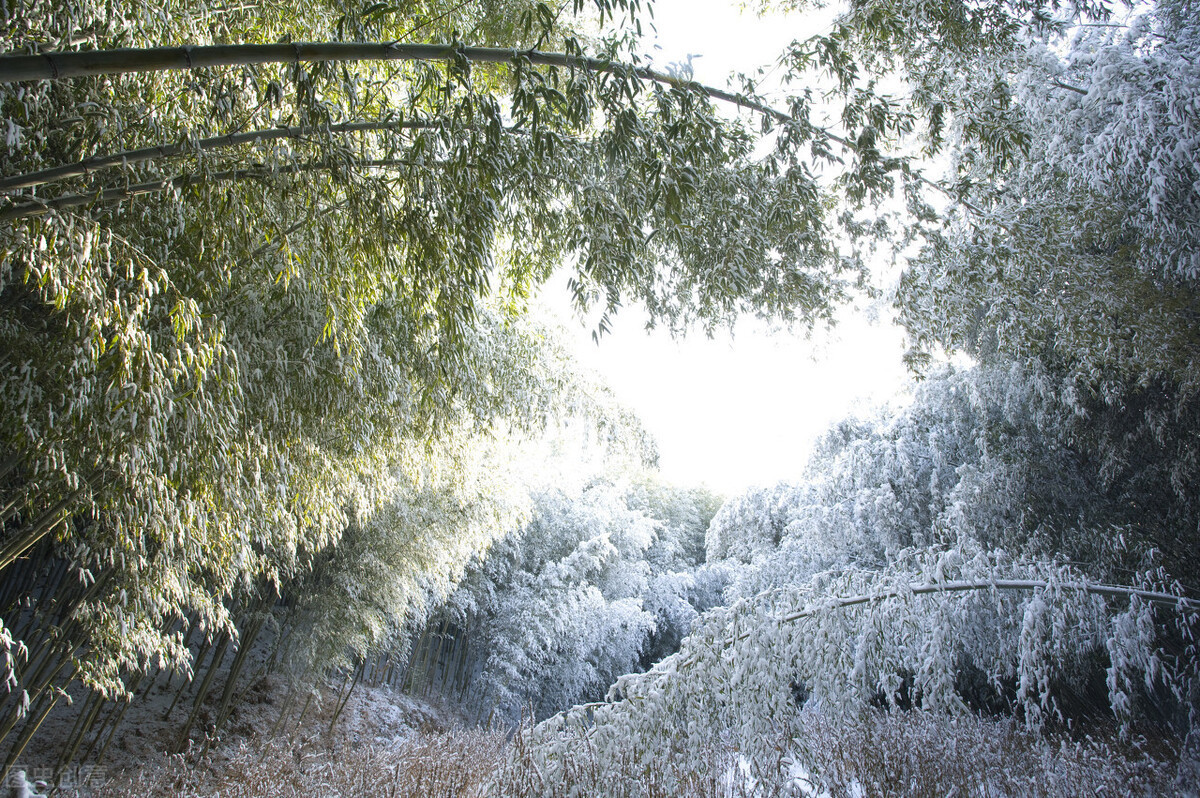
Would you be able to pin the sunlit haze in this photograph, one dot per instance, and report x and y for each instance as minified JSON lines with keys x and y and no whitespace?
{"x":740,"y":410}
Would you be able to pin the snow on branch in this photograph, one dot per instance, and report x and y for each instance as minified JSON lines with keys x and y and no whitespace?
{"x":943,"y":630}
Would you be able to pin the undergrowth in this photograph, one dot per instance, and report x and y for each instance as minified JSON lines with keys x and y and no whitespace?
{"x":878,"y":754}
{"x":922,"y":754}
{"x":435,"y":764}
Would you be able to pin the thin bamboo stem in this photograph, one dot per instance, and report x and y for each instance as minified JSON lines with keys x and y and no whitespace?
{"x":19,"y":585}
{"x":114,"y":723}
{"x":27,"y":733}
{"x":434,"y":660}
{"x":406,"y":681}
{"x":202,"y":693}
{"x":451,"y":670}
{"x":26,"y":207}
{"x":461,"y":676}
{"x":83,"y":725}
{"x":40,"y":695}
{"x":111,"y":723}
{"x":283,"y":711}
{"x":23,"y":540}
{"x":205,"y":646}
{"x":342,"y":704}
{"x":303,"y":712}
{"x":239,"y":661}
{"x":87,"y":166}
{"x":11,"y":463}
{"x":13,"y":505}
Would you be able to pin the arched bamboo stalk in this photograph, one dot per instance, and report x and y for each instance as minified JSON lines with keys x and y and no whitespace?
{"x":91,"y":63}
{"x":87,"y":166}
{"x":26,"y":206}
{"x":61,"y":65}
{"x":1109,"y":591}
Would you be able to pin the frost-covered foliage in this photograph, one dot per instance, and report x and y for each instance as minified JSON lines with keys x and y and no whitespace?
{"x":445,"y":504}
{"x":603,"y":577}
{"x":749,"y":524}
{"x":951,"y":557}
{"x":365,"y":595}
{"x":1116,"y":123}
{"x":250,"y":313}
{"x":1065,"y":240}
{"x":199,"y":486}
{"x":840,"y":642}
{"x":241,"y":300}
{"x":995,"y":454}
{"x":567,"y":616}
{"x":260,"y":329}
{"x":1080,"y":249}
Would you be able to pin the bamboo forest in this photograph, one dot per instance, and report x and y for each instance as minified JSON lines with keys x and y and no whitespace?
{"x":306,"y":492}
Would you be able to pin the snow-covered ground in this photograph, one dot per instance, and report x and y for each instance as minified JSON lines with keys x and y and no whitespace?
{"x":378,"y":717}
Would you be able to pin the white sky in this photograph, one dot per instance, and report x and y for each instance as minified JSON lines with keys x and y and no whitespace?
{"x":732,"y":412}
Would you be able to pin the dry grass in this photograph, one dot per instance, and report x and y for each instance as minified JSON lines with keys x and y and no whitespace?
{"x":439,"y":764}
{"x":626,"y":776}
{"x":878,"y":754}
{"x":920,"y":754}
{"x":882,"y":754}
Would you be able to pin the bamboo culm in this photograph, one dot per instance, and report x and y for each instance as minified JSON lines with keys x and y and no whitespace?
{"x":87,"y":166}
{"x":28,"y":206}
{"x":90,"y":63}
{"x":202,"y":693}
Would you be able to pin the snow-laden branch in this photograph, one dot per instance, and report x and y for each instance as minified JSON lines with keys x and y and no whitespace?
{"x":1116,"y":591}
{"x":1110,"y":591}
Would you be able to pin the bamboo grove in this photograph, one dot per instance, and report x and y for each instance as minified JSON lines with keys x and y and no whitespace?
{"x":265,"y":278}
{"x":214,"y":388}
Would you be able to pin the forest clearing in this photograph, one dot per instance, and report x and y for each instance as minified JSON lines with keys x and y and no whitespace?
{"x":304,"y":490}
